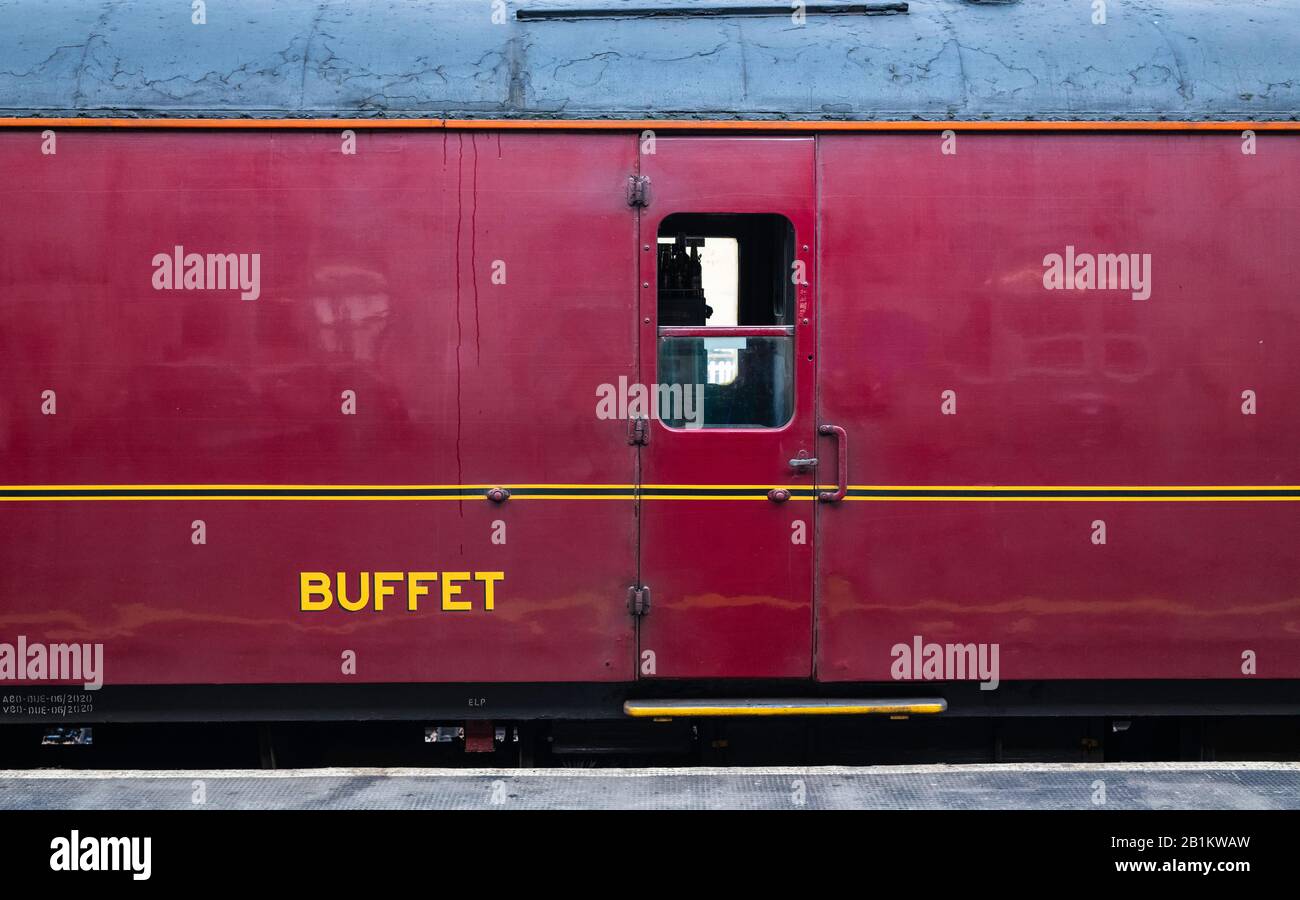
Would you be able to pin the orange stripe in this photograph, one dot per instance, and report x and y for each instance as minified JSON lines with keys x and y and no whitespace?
{"x":635,"y":125}
{"x":332,"y":124}
{"x":767,"y":125}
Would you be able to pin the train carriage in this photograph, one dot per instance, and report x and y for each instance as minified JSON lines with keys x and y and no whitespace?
{"x":473,"y":362}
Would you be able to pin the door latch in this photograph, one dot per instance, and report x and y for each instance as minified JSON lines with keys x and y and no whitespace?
{"x":803,"y":462}
{"x":638,"y":600}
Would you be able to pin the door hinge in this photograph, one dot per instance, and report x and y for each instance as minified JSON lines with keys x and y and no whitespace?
{"x":638,"y":431}
{"x":638,"y":600}
{"x":638,"y":190}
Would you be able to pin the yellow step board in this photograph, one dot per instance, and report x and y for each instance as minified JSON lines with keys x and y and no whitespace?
{"x":786,"y":706}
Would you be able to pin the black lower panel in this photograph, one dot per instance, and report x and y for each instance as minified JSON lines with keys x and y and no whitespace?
{"x":518,"y":702}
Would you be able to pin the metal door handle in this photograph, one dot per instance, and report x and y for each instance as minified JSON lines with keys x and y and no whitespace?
{"x":842,"y":460}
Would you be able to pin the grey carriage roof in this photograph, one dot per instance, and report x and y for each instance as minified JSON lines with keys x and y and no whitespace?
{"x":1198,"y":60}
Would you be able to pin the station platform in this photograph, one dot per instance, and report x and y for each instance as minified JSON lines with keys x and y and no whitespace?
{"x":1213,"y":785}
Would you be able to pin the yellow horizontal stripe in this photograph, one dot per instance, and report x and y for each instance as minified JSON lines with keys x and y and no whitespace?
{"x":257,"y":497}
{"x":1097,"y":499}
{"x":1075,"y":487}
{"x":362,"y":497}
{"x":713,"y":497}
{"x":645,"y":710}
{"x":525,"y":497}
{"x":513,"y":485}
{"x":755,"y":487}
{"x":931,"y":493}
{"x":302,"y":487}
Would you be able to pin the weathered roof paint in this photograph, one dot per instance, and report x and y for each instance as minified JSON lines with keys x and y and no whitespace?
{"x":945,"y":60}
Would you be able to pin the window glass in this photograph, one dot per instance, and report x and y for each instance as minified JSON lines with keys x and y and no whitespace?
{"x":725,"y":270}
{"x":728,"y":382}
{"x":726,"y":331}
{"x":710,"y":265}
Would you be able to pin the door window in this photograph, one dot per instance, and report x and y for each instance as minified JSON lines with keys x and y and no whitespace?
{"x":726,"y":329}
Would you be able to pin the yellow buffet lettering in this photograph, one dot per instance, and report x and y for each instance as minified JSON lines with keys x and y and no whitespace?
{"x":458,"y":591}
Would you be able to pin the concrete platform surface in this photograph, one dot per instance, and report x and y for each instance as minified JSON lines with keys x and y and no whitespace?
{"x":1217,"y":785}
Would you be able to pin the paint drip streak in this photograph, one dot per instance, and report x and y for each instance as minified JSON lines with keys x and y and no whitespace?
{"x":460,"y":175}
{"x":473,"y":250}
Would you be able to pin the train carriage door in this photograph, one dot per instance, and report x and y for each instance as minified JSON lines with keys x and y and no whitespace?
{"x":727,"y":364}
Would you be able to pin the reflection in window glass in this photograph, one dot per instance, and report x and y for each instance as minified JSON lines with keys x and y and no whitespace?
{"x":748,"y":381}
{"x":724,"y":365}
